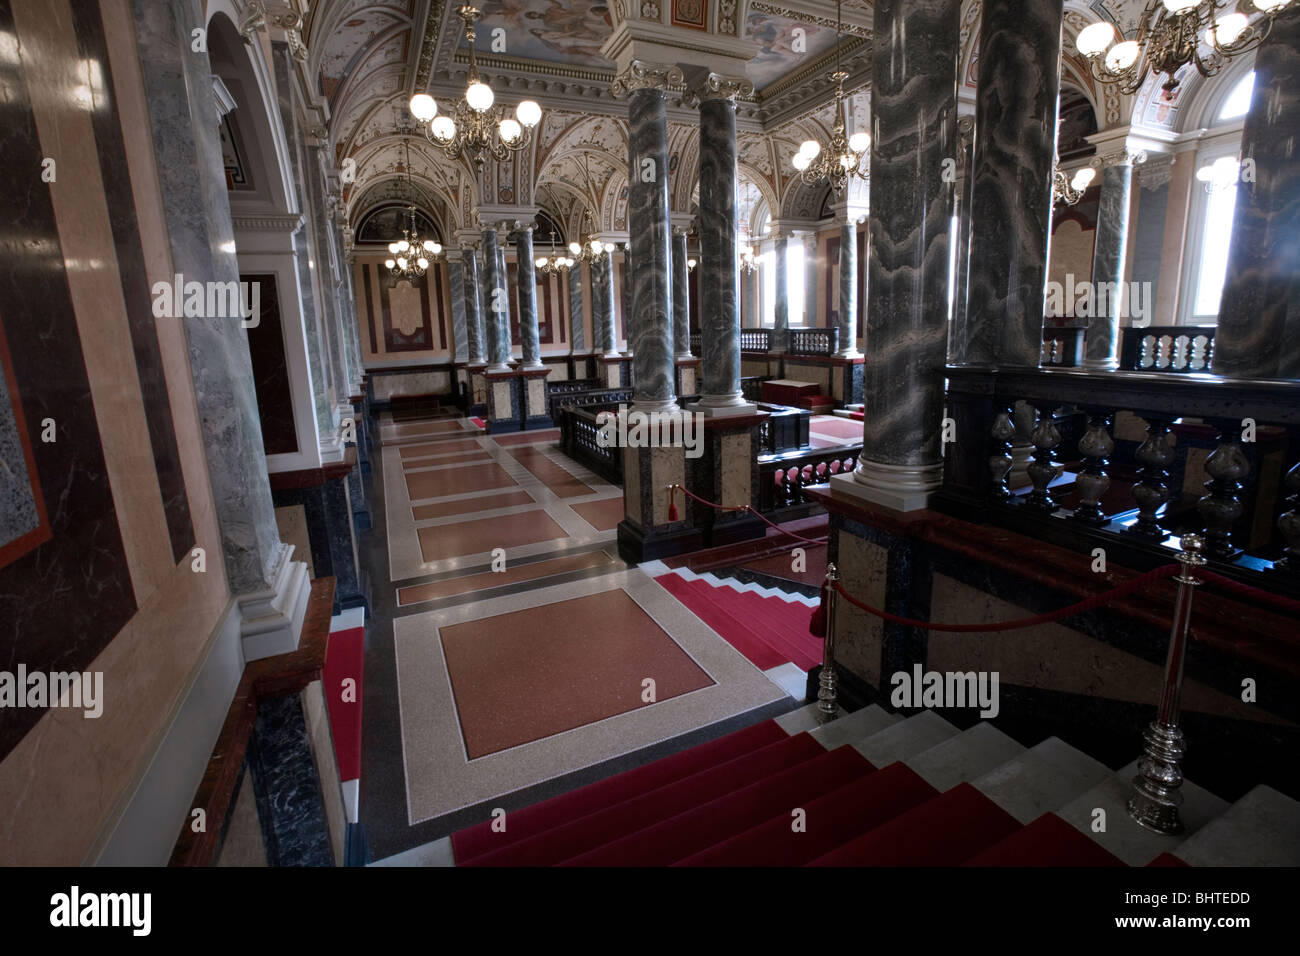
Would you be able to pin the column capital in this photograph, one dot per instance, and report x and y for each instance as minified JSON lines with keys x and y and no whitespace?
{"x":717,"y":86}
{"x":469,"y":238}
{"x":683,"y":223}
{"x":641,"y":75}
{"x":1120,"y":157}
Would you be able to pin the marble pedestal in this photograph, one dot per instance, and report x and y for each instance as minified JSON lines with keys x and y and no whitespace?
{"x":505,"y":405}
{"x":478,"y":390}
{"x":324,"y":494}
{"x":645,"y":533}
{"x":614,"y":371}
{"x":688,"y":376}
{"x":900,"y":487}
{"x":727,"y":473}
{"x":536,"y":412}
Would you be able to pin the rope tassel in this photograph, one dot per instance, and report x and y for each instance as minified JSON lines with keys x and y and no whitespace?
{"x":672,"y":503}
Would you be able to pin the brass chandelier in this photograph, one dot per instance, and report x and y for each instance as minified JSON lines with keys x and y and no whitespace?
{"x":554,"y":265}
{"x":1171,"y":34}
{"x":843,"y":157}
{"x":476,"y":129}
{"x":411,"y":254}
{"x":1070,"y":190}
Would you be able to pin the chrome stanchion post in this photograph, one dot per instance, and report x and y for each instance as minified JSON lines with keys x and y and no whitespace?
{"x":827,"y":708}
{"x":1156,"y":795}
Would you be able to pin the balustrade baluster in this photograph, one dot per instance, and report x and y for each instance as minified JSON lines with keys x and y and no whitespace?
{"x":1152,"y":488}
{"x":1003,"y":431}
{"x":1227,"y":467}
{"x":1045,"y":436}
{"x":1289,"y":524}
{"x":1096,"y":447}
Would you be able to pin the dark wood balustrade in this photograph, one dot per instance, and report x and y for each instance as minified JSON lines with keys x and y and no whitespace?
{"x":782,"y":479}
{"x":1167,"y":348}
{"x":1062,"y":348}
{"x":1194,"y":453}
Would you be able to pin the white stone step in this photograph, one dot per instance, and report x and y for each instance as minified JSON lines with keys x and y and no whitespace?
{"x":901,"y":740}
{"x":964,"y":757}
{"x":1260,"y":829}
{"x":1042,"y":779}
{"x":437,"y":853}
{"x":805,"y":718}
{"x":1136,"y":845}
{"x":856,"y":726}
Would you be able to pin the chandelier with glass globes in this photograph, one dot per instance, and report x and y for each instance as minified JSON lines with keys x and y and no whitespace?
{"x":411,"y":255}
{"x":1070,"y":190}
{"x":843,"y":157}
{"x":591,"y":248}
{"x":553,"y":265}
{"x":1171,"y":34}
{"x":476,"y":129}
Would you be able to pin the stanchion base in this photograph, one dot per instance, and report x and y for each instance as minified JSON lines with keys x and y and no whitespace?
{"x":1155,"y":814}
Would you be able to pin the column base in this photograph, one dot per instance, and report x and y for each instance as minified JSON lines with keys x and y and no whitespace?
{"x":270,"y":620}
{"x":723,"y":411}
{"x":900,"y":487}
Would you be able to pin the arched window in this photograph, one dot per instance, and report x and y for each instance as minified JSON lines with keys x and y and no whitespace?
{"x":1237,"y":104}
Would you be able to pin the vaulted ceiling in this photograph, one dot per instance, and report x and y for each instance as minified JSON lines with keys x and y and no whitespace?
{"x":367,"y":57}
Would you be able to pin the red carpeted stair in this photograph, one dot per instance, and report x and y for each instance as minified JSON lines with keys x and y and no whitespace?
{"x":595,"y":829}
{"x":769,"y":631}
{"x":531,"y":820}
{"x":943,"y":831}
{"x":832,"y":820}
{"x":670,"y":840}
{"x":1048,"y":841}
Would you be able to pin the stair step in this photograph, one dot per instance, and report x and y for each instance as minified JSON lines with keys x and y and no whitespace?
{"x":1048,"y":841}
{"x":781,"y":625}
{"x":832,"y":820}
{"x":1136,"y":845}
{"x":1041,"y":779}
{"x":901,"y":740}
{"x":853,"y":727}
{"x":755,"y":650}
{"x":706,"y":825}
{"x":968,"y":755}
{"x":804,"y":719}
{"x":943,"y":831}
{"x":1260,"y":829}
{"x":613,"y":822}
{"x":566,"y":807}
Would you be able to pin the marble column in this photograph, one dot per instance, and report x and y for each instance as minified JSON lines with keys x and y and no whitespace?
{"x":1109,"y":258}
{"x":957,"y":334}
{"x":719,"y":270}
{"x":650,"y":323}
{"x":781,"y":305}
{"x":1011,"y":203}
{"x":628,"y":287}
{"x":681,"y":296}
{"x":526,"y":275}
{"x":577,"y":331}
{"x":459,"y":320}
{"x":848,"y":314}
{"x":599,"y":304}
{"x":474,"y":333}
{"x":609,"y":331}
{"x":914,"y":115}
{"x":496,"y":300}
{"x":1259,"y":315}
{"x":271,"y":589}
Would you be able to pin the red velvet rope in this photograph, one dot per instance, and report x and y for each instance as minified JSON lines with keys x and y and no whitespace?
{"x":1245,"y":590}
{"x":752,"y":510}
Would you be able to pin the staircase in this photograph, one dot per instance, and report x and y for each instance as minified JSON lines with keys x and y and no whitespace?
{"x":874,"y":789}
{"x":767,"y":625}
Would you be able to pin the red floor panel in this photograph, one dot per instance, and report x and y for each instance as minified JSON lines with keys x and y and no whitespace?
{"x":945,"y":831}
{"x":700,"y":828}
{"x":567,"y":807}
{"x":612,"y":823}
{"x":833,"y":819}
{"x":1048,"y":841}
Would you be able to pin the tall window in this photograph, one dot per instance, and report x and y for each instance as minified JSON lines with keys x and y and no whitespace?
{"x":794,"y":283}
{"x":1219,"y":205}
